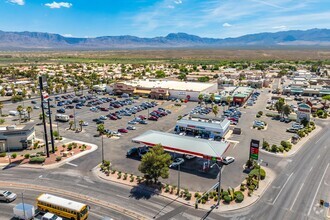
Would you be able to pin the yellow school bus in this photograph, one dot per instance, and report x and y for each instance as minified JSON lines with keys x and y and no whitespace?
{"x":62,"y":207}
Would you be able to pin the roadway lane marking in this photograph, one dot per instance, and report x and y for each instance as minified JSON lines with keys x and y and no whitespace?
{"x":310,"y":170}
{"x":294,"y":201}
{"x":7,"y":174}
{"x":310,"y":208}
{"x":282,"y":188}
{"x":123,"y":197}
{"x":72,"y":164}
{"x":318,"y":140}
{"x":82,"y":185}
{"x":318,"y":156}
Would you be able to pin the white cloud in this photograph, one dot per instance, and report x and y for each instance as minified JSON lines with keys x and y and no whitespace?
{"x":170,"y":6}
{"x":67,"y":35}
{"x":178,"y":2}
{"x":226,"y":25}
{"x":59,"y":5}
{"x":280,"y":27}
{"x":18,"y":2}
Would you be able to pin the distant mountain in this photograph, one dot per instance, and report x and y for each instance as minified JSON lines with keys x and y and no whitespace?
{"x":37,"y":40}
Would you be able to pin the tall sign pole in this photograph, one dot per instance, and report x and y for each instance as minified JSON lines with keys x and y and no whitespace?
{"x":42,"y":85}
{"x":254,"y":149}
{"x":51,"y":127}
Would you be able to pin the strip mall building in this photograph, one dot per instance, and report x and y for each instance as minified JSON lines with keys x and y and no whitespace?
{"x":165,"y":89}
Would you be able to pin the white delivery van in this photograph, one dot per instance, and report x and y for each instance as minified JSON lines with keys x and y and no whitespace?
{"x":60,"y":117}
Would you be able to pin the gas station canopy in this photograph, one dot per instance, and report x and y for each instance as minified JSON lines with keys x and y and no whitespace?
{"x":184,"y":144}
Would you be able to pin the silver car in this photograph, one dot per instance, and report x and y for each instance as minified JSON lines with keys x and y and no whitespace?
{"x":7,"y":196}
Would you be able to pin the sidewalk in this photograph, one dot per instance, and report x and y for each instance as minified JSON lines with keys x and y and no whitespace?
{"x":248,"y":201}
{"x":56,"y":164}
{"x":295,"y":147}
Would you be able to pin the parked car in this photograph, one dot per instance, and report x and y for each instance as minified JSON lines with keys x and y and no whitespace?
{"x":143,"y":122}
{"x":228,"y":160}
{"x":36,"y":107}
{"x":134,"y":151}
{"x":189,"y":157}
{"x":131,"y":127}
{"x":100,"y":122}
{"x":177,"y":161}
{"x":7,"y":196}
{"x":122,"y":130}
{"x":292,"y":130}
{"x":153,"y":118}
{"x":132,"y":122}
{"x":85,"y":123}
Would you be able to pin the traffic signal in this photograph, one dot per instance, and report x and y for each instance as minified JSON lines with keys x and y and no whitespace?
{"x":321,"y":202}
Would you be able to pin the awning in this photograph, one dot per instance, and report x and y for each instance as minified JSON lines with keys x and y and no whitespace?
{"x":138,"y":91}
{"x":184,"y":144}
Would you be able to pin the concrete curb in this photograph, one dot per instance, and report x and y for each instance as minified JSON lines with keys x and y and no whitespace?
{"x":62,"y":162}
{"x":258,"y":195}
{"x":296,"y":148}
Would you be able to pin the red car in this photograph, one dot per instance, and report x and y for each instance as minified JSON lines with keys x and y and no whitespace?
{"x":153,"y":118}
{"x":122,"y":130}
{"x":71,"y":116}
{"x":142,"y":117}
{"x":104,"y":109}
{"x":113,"y":117}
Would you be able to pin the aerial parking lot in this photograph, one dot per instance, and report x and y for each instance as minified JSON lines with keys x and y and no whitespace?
{"x":123,"y":119}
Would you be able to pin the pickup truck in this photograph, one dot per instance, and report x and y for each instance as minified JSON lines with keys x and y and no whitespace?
{"x":27,"y":212}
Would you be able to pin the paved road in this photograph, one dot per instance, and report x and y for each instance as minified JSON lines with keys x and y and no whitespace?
{"x":302,"y":181}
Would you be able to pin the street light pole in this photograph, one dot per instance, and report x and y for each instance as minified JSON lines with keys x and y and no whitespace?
{"x":102,"y":150}
{"x":179,"y":170}
{"x":51,"y":128}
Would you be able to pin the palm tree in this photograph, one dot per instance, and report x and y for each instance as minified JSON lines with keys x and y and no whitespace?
{"x":29,"y":110}
{"x":75,"y":90}
{"x":229,"y":99}
{"x":100,"y":128}
{"x":70,"y":123}
{"x":81,"y":124}
{"x":212,"y":98}
{"x":286,"y":110}
{"x":1,"y":107}
{"x":200,"y":98}
{"x":19,"y":109}
{"x":215,"y":110}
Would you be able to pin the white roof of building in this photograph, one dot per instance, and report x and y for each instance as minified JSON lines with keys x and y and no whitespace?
{"x":62,"y":202}
{"x":183,"y":144}
{"x":213,"y":125}
{"x":167,"y":84}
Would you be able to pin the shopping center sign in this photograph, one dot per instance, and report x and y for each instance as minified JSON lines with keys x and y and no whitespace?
{"x":254,"y":149}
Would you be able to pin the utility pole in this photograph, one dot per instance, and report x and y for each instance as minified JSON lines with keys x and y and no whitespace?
{"x":74,"y":117}
{"x":51,"y":127}
{"x":42,"y":82}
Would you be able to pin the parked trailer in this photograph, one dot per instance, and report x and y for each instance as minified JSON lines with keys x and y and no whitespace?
{"x":24,"y":211}
{"x":60,"y":117}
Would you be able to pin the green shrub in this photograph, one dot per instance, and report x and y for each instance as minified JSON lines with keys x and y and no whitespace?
{"x":258,"y":116}
{"x":242,"y":188}
{"x":131,"y":178}
{"x":119,"y":175}
{"x":167,"y":188}
{"x":262,"y":174}
{"x":265,"y":144}
{"x":37,"y":160}
{"x":69,"y":148}
{"x":224,"y":193}
{"x":125,"y":176}
{"x":188,"y":196}
{"x":274,"y":148}
{"x":227,"y":199}
{"x":3,"y":154}
{"x":113,"y":171}
{"x":58,"y":158}
{"x":27,"y":156}
{"x":196,"y":194}
{"x":14,"y":155}
{"x":239,"y":197}
{"x":280,"y":149}
{"x":260,"y":113}
{"x":312,"y":123}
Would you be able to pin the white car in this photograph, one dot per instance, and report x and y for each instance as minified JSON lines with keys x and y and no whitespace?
{"x":189,"y":157}
{"x":131,"y":127}
{"x":85,"y":123}
{"x":132,"y":123}
{"x":7,"y":196}
{"x":102,"y":117}
{"x":36,"y":107}
{"x":177,"y":161}
{"x":228,"y":160}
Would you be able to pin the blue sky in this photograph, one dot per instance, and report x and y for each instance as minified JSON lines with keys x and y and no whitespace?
{"x":150,"y":18}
